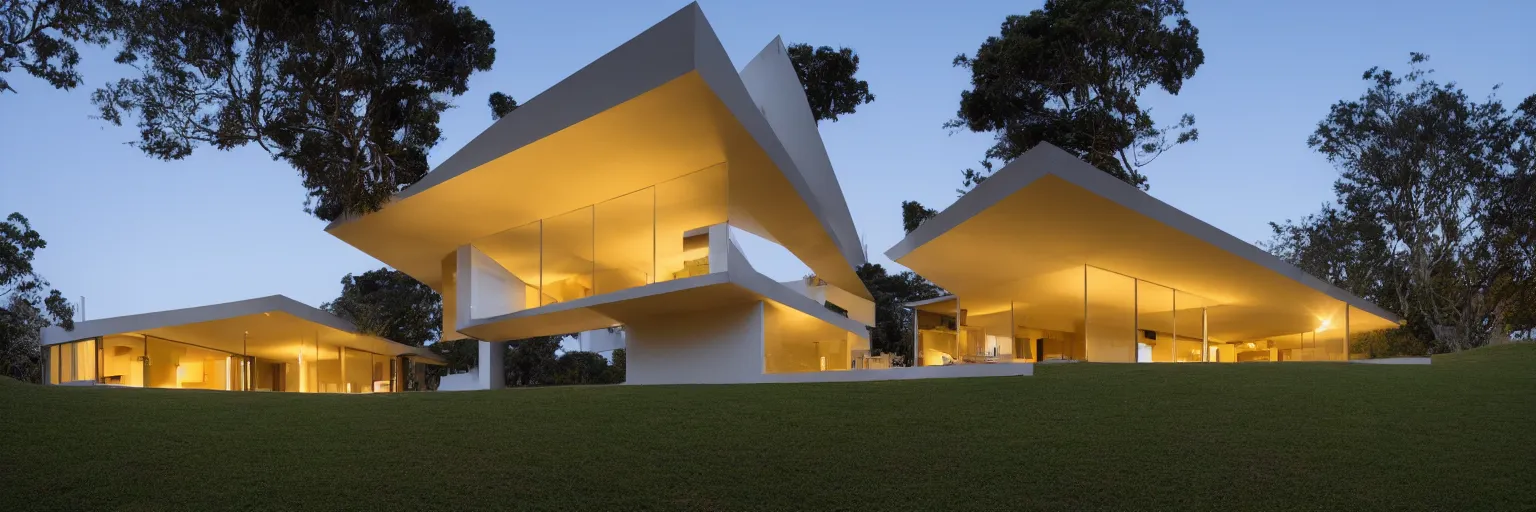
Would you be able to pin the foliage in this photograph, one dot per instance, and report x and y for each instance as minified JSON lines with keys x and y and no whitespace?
{"x":533,"y":361}
{"x":501,"y":105}
{"x":1433,"y":214}
{"x":461,"y":355}
{"x":27,"y":303}
{"x":579,"y":367}
{"x":390,"y":304}
{"x":913,"y":214}
{"x":828,"y":78}
{"x":1071,"y":74}
{"x":892,"y":333}
{"x":39,"y":37}
{"x":348,"y":93}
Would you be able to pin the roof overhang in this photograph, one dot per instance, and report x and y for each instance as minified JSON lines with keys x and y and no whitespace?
{"x":662,"y":105}
{"x":1034,"y":224}
{"x":235,"y":326}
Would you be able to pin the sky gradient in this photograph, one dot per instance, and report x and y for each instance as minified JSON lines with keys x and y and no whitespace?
{"x":133,"y":234}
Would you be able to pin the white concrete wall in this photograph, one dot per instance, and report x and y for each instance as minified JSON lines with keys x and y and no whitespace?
{"x":908,"y":373}
{"x":484,"y":289}
{"x":860,"y":310}
{"x":775,"y":88}
{"x":600,"y":340}
{"x":491,"y":368}
{"x":717,"y":346}
{"x":460,"y":381}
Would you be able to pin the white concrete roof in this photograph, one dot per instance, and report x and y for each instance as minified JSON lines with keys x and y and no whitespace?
{"x":664,"y":104}
{"x":1047,"y":212}
{"x":223,"y":326}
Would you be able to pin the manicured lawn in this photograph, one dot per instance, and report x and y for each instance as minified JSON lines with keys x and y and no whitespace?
{"x":1458,"y":435}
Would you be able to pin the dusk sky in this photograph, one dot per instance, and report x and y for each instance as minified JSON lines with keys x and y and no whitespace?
{"x":133,"y":234}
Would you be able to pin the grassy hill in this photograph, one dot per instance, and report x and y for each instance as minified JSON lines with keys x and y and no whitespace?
{"x":1458,"y":435}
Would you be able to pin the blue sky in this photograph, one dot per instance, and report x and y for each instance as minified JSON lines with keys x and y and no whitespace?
{"x":133,"y":234}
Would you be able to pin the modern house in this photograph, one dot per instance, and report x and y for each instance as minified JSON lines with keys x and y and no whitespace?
{"x":267,"y":344}
{"x":614,"y":198}
{"x":1050,"y":258}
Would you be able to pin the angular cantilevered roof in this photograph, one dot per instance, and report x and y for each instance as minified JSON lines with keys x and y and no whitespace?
{"x":1028,"y":230}
{"x":267,"y":322}
{"x":662,"y":105}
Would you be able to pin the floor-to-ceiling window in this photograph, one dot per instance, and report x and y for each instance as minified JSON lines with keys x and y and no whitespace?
{"x":655,"y":234}
{"x":72,"y":362}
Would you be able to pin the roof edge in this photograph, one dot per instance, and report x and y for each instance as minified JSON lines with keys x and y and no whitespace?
{"x":1046,"y":158}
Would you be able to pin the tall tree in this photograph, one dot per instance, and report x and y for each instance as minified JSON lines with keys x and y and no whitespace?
{"x":390,"y":304}
{"x":501,"y":105}
{"x":39,"y":36}
{"x":1433,"y":207}
{"x":828,"y":77}
{"x":534,"y":361}
{"x":348,"y":93}
{"x":27,"y":302}
{"x":1071,"y":74}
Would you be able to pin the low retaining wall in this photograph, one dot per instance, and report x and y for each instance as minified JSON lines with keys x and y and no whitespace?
{"x":919,"y":372}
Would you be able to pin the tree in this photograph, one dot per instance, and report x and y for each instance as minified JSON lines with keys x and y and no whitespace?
{"x":1071,"y":73}
{"x":913,"y":214}
{"x":534,"y":361}
{"x":390,"y":304}
{"x":501,"y":105}
{"x":348,"y":93}
{"x":27,"y":302}
{"x":892,"y":333}
{"x":580,"y":367}
{"x":39,"y":36}
{"x":828,"y":78}
{"x":1433,"y":208}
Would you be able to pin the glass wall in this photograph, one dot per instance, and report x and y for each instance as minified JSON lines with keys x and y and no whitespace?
{"x":298,"y":364}
{"x":567,"y":247}
{"x":1155,"y":326}
{"x":1110,"y":315}
{"x":176,"y":365}
{"x":989,"y":336}
{"x":937,"y":333}
{"x":651,"y":235}
{"x":1048,"y":317}
{"x":685,"y":208}
{"x":122,"y":360}
{"x":624,"y":234}
{"x":72,"y":362}
{"x":1190,"y":328}
{"x":357,"y":371}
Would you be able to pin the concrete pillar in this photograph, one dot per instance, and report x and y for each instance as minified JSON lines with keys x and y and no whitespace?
{"x":491,"y":368}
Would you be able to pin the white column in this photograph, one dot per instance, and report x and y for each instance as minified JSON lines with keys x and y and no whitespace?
{"x":491,"y":366}
{"x":1205,"y":337}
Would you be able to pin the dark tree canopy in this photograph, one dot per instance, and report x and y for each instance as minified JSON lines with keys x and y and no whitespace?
{"x":348,"y":93}
{"x":39,"y":36}
{"x":389,"y":304}
{"x":27,"y":302}
{"x":1071,"y":73}
{"x":913,"y":214}
{"x":1433,"y":215}
{"x":828,"y":77}
{"x":501,"y":105}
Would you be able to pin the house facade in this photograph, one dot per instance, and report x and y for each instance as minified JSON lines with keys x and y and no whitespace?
{"x":1052,"y":259}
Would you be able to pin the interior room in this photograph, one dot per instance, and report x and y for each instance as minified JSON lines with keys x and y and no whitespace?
{"x":655,"y":234}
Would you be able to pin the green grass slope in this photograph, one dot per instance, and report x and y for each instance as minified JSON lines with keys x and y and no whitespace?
{"x":1458,"y":435}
